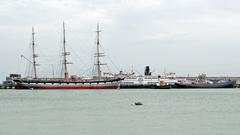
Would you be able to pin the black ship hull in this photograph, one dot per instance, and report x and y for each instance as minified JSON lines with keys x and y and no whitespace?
{"x":144,"y":87}
{"x":229,"y":84}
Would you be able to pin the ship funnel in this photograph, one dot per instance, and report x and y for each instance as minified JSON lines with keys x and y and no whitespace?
{"x":147,"y":71}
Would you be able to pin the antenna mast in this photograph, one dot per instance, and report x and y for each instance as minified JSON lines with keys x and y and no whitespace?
{"x":98,"y":55}
{"x":34,"y":55}
{"x":65,"y":53}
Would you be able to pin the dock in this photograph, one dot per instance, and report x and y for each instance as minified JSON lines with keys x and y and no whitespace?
{"x":10,"y":84}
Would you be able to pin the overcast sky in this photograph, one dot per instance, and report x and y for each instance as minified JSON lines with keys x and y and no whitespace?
{"x":186,"y":37}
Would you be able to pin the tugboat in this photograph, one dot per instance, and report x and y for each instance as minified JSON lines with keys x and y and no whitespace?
{"x":202,"y":82}
{"x":98,"y":82}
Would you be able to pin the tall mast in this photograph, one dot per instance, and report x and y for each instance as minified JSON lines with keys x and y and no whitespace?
{"x":33,"y":54}
{"x":98,"y":55}
{"x":65,"y":53}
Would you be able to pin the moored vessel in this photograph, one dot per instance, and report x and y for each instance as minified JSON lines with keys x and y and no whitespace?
{"x":203,"y":82}
{"x":146,"y":81}
{"x":97,"y":82}
{"x":227,"y":84}
{"x":61,"y":84}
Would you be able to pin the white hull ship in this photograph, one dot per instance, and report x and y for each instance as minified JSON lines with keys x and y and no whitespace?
{"x":133,"y":80}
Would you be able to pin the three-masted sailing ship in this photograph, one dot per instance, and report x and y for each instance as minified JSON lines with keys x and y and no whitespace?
{"x":97,"y":82}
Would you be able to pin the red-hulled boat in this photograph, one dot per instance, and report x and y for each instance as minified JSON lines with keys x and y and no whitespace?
{"x":61,"y":84}
{"x":97,"y":82}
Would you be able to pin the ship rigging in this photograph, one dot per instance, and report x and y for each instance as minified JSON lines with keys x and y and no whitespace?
{"x":98,"y":82}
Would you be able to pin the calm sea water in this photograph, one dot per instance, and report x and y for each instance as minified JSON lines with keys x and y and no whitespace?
{"x":110,"y":112}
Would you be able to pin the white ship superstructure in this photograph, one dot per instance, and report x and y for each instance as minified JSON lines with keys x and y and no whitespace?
{"x":148,"y":80}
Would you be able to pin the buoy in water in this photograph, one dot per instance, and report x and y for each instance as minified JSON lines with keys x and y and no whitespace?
{"x":138,"y":103}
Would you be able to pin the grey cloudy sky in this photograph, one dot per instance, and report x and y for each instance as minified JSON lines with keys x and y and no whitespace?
{"x":186,"y":37}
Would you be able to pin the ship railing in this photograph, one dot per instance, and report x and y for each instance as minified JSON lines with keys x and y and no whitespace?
{"x":60,"y":80}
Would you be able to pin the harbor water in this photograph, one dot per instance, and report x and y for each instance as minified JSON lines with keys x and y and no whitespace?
{"x":112,"y":112}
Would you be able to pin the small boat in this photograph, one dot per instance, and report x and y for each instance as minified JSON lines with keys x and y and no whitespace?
{"x":138,"y":103}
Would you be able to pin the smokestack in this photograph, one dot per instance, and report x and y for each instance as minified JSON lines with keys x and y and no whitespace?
{"x":147,"y":71}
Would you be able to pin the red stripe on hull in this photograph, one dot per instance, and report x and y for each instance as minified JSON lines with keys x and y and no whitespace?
{"x":68,"y":87}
